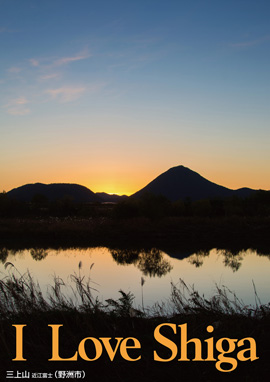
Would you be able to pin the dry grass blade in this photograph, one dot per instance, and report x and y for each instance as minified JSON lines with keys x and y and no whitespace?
{"x":186,"y":300}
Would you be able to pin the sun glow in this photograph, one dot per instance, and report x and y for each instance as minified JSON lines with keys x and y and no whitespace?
{"x":120,"y":184}
{"x":114,"y":190}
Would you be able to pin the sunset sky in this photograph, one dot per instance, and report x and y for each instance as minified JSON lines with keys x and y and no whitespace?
{"x":111,"y":93}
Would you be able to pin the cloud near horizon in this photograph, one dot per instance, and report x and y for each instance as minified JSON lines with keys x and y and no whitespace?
{"x":60,"y":61}
{"x":66,"y":60}
{"x":66,"y":94}
{"x":14,"y":69}
{"x":18,"y":111}
{"x":20,"y":101}
{"x":34,"y":62}
{"x":246,"y":44}
{"x":17,"y":106}
{"x":50,"y":76}
{"x":6,"y":30}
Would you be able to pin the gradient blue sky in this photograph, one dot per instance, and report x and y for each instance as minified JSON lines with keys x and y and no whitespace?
{"x":109,"y":94}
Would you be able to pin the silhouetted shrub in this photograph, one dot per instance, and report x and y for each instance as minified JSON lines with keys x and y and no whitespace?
{"x":155,"y":206}
{"x":202,"y":208}
{"x":127,"y":209}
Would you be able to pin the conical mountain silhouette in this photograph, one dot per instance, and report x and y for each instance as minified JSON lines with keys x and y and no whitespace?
{"x":180,"y":182}
{"x":177,"y":183}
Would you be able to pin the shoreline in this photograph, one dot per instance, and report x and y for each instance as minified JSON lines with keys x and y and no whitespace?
{"x":173,"y":232}
{"x":89,"y":319}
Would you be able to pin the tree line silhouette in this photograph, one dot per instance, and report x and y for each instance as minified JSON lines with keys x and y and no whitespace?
{"x":149,"y":205}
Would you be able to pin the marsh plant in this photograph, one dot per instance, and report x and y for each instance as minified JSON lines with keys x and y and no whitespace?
{"x":21,"y":294}
{"x":187,"y":300}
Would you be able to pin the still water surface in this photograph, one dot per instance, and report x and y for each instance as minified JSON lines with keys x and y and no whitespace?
{"x":112,"y":270}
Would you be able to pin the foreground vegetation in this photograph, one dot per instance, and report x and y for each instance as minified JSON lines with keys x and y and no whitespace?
{"x":83,"y":316}
{"x":147,"y":223}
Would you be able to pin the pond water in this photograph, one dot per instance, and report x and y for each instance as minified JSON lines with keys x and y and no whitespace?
{"x":112,"y":270}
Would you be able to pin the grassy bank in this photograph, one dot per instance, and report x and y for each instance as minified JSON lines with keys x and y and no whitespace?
{"x":23,"y":303}
{"x":233,"y":232}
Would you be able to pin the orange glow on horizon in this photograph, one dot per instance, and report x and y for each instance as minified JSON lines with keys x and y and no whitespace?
{"x":121,"y":181}
{"x":113,"y":189}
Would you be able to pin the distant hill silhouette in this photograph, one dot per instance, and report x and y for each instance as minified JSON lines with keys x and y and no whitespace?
{"x":56,"y":191}
{"x":53,"y":192}
{"x":180,"y":182}
{"x":177,"y":183}
{"x":111,"y":198}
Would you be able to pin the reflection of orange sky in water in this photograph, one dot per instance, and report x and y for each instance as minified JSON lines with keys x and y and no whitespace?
{"x":112,"y":277}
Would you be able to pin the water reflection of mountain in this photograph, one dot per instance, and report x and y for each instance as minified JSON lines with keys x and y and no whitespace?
{"x":150,"y":262}
{"x":197,"y":258}
{"x":38,"y":253}
{"x":178,"y":253}
{"x":153,"y":262}
{"x":3,"y":255}
{"x":231,"y":258}
{"x":184,"y":253}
